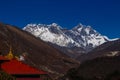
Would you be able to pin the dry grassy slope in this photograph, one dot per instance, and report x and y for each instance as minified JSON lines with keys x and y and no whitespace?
{"x":104,"y":68}
{"x":97,"y":65}
{"x":39,"y":53}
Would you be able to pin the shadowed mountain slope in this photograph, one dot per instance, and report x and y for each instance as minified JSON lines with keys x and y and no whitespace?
{"x":103,"y":63}
{"x":111,"y":48}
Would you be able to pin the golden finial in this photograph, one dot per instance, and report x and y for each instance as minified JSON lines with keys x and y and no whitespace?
{"x":10,"y":54}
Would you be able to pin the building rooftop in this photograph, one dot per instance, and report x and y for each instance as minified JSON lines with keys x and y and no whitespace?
{"x":17,"y":67}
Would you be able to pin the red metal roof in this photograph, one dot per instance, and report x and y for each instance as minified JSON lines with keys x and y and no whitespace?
{"x":3,"y":58}
{"x":29,"y":79}
{"x":17,"y":67}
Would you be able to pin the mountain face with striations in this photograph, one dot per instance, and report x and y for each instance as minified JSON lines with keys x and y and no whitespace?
{"x":81,"y":36}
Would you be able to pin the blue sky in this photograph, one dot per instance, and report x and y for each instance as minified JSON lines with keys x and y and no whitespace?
{"x":102,"y":15}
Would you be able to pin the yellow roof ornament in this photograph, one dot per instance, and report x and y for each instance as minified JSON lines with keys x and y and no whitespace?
{"x":10,"y":54}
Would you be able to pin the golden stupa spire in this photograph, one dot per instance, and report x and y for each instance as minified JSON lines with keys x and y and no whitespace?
{"x":10,"y":54}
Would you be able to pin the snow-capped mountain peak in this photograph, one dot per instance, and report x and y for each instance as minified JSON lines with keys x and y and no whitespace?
{"x":54,"y":24}
{"x":78,"y":28}
{"x":50,"y":33}
{"x":87,"y":30}
{"x":80,"y":36}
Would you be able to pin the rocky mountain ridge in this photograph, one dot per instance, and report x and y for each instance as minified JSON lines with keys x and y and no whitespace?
{"x":73,"y":42}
